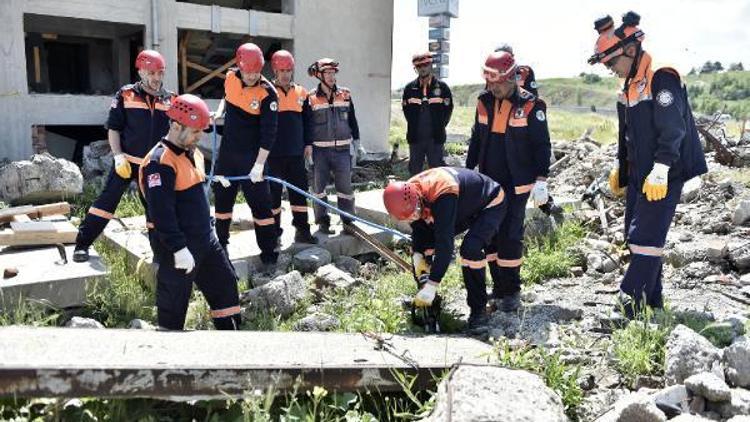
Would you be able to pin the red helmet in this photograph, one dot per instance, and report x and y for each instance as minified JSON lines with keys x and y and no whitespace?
{"x":282,"y":60}
{"x":316,"y":69}
{"x":189,"y":110}
{"x":611,"y":41}
{"x":401,"y":199}
{"x":250,"y":58}
{"x":421,"y":59}
{"x":499,"y":67}
{"x":150,"y":60}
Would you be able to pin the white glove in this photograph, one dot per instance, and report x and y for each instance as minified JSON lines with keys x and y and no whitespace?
{"x":420,"y":264}
{"x":183,"y":260}
{"x":222,"y":181}
{"x":426,"y":295}
{"x":539,"y":193}
{"x":256,"y":174}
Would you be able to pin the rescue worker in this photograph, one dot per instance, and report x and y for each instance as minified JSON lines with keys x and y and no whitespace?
{"x":510,"y":144}
{"x":524,"y":75}
{"x":137,"y":120}
{"x":658,"y":150}
{"x":334,"y":133}
{"x":440,"y":204}
{"x":185,"y":245}
{"x":427,"y":104}
{"x":250,"y":125}
{"x":286,"y":159}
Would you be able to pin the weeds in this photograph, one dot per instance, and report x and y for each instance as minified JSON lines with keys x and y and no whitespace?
{"x":557,"y":375}
{"x":550,"y":256}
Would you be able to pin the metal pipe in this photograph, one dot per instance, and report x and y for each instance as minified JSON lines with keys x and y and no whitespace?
{"x":154,"y":24}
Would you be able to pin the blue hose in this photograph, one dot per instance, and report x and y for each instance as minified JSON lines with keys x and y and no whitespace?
{"x":321,"y":203}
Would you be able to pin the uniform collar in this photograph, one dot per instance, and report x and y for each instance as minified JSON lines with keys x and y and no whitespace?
{"x":177,"y":149}
{"x":285,"y":91}
{"x":322,"y":93}
{"x":138,"y":88}
{"x":238,"y":74}
{"x":644,"y":70}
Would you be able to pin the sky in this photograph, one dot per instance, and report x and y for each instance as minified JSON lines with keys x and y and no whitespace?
{"x":557,"y":37}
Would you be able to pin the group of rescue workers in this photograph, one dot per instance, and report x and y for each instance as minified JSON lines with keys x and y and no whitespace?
{"x":153,"y":135}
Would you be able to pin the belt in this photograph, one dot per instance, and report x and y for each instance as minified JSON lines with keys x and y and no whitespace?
{"x":330,"y":144}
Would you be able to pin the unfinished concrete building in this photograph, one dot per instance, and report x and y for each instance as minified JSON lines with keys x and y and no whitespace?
{"x":62,"y":60}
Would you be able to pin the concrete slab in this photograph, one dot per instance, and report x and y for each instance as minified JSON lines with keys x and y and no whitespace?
{"x":243,"y":248}
{"x":37,"y":362}
{"x":41,"y":276}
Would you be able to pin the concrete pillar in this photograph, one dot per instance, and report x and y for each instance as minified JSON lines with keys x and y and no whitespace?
{"x":358,"y":33}
{"x":168,"y":43}
{"x":15,"y":141}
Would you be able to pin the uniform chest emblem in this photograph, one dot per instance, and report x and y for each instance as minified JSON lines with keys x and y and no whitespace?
{"x":519,"y":113}
{"x":255,"y":104}
{"x":436,"y":92}
{"x":301,"y":101}
{"x":641,"y":86}
{"x":664,"y":98}
{"x":540,"y":116}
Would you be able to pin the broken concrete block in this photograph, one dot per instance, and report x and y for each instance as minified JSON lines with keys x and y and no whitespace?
{"x":741,"y":213}
{"x":310,"y":259}
{"x":709,"y":386}
{"x":42,"y":179}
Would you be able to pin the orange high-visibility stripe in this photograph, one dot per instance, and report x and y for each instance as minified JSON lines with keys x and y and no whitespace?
{"x":223,"y":215}
{"x":429,"y":252}
{"x":498,"y":199}
{"x":435,"y":100}
{"x":343,"y":195}
{"x":482,"y":117}
{"x":299,"y":208}
{"x":101,"y":213}
{"x":474,"y":265}
{"x":222,"y":313}
{"x":264,"y":221}
{"x":524,"y":188}
{"x":646,"y":250}
{"x":414,"y":101}
{"x":492,"y":257}
{"x":133,"y":159}
{"x":500,"y":120}
{"x":135,"y":104}
{"x":276,"y":211}
{"x":329,"y":144}
{"x":150,"y":225}
{"x":509,"y":263}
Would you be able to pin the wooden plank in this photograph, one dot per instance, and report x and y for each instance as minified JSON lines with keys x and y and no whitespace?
{"x":37,"y":66}
{"x":204,"y":69}
{"x":183,"y":59}
{"x":211,"y":75}
{"x":21,"y":218}
{"x":33,"y":226}
{"x":33,"y":211}
{"x":64,"y":232}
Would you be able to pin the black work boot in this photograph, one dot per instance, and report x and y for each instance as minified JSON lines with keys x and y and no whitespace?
{"x":81,"y":255}
{"x":303,"y":235}
{"x":325,"y":228}
{"x":478,"y":322}
{"x":511,"y":302}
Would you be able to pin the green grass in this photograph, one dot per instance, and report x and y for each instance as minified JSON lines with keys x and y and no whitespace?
{"x":551,"y":256}
{"x":568,"y":125}
{"x":129,"y":206}
{"x":640,"y":347}
{"x":562,"y":378}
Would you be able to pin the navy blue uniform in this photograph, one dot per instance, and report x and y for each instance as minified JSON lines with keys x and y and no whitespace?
{"x":172,"y":180}
{"x":250,"y":124}
{"x":427,"y":109}
{"x":510,"y":143}
{"x":142,"y":120}
{"x":656,"y":126}
{"x":456,"y":200}
{"x":286,"y":159}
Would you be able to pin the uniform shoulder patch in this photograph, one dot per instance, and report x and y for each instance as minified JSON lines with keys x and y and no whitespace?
{"x":153,"y":180}
{"x":665,"y":98}
{"x":540,"y":115}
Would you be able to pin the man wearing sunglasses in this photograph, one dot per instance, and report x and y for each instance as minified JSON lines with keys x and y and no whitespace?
{"x":658,"y":151}
{"x":427,"y":104}
{"x":510,"y":144}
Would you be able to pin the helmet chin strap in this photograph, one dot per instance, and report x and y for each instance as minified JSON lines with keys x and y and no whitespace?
{"x":633,"y":67}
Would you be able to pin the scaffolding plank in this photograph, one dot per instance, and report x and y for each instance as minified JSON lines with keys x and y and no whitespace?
{"x":31,"y":235}
{"x":7,"y":215}
{"x":37,"y":362}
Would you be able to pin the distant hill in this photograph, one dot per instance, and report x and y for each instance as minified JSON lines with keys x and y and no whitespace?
{"x":709,"y":93}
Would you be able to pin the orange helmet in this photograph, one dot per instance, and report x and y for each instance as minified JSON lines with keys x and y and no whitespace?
{"x":401,"y":199}
{"x":499,"y":67}
{"x":249,"y":58}
{"x":611,"y":41}
{"x":421,"y":59}
{"x":282,"y":60}
{"x":149,"y":60}
{"x":316,"y":69}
